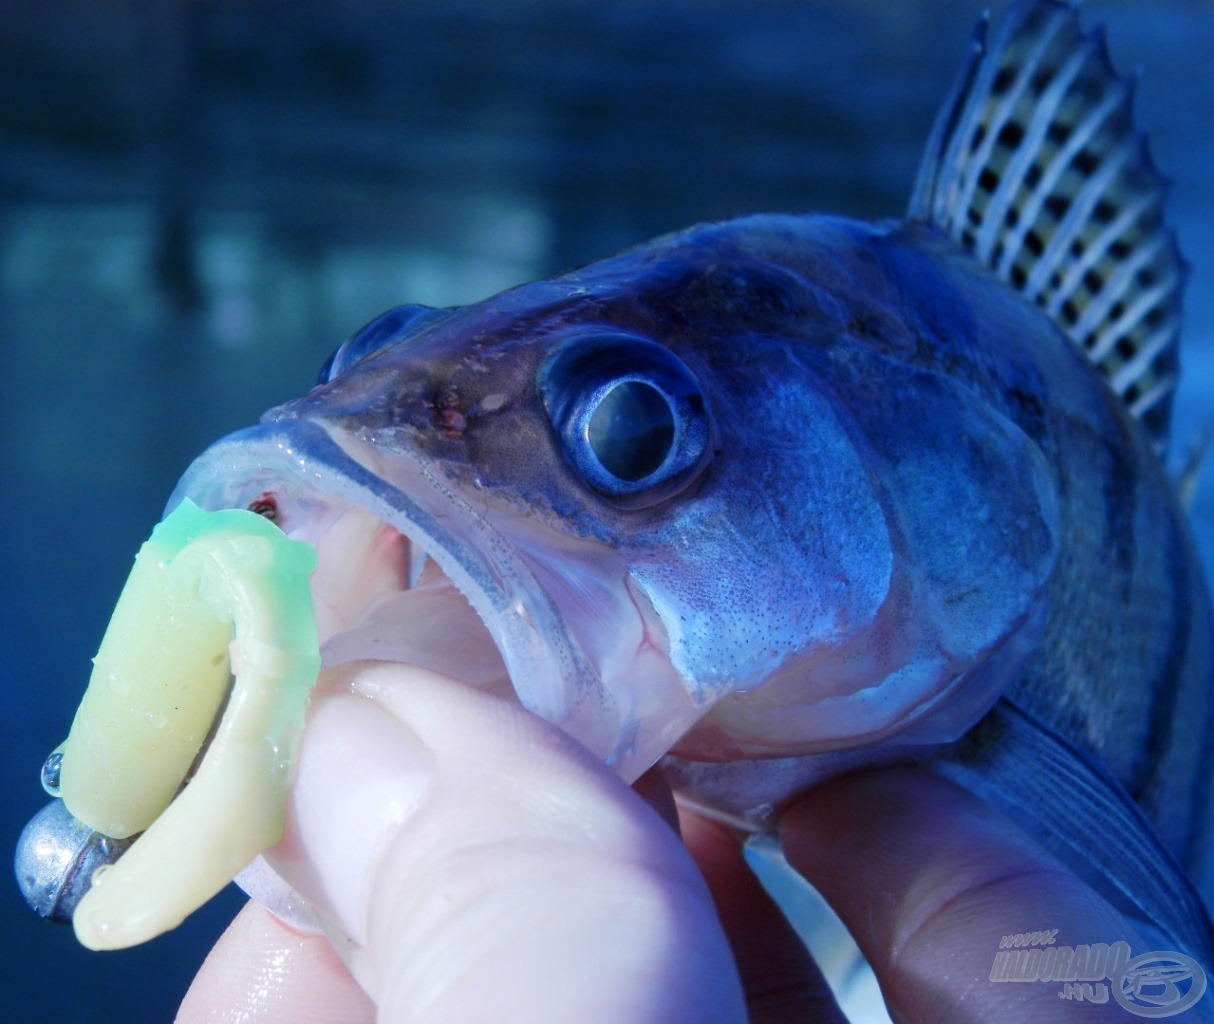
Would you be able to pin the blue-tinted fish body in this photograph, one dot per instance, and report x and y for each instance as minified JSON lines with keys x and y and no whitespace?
{"x":902,"y":446}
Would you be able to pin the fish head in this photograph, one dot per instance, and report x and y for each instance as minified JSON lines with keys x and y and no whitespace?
{"x":669,"y":500}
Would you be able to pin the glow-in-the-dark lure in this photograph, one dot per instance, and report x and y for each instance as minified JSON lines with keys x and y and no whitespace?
{"x":189,"y":723}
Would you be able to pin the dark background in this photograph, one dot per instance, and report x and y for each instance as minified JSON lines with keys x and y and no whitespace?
{"x":200,"y":198}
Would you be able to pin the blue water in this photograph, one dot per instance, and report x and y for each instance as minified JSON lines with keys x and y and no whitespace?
{"x":196,"y":205}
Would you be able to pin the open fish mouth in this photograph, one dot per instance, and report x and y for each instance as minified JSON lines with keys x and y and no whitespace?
{"x":406,"y":571}
{"x":407,"y":562}
{"x":401,"y":565}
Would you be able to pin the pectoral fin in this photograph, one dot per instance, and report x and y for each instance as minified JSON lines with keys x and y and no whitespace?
{"x":1068,"y":801}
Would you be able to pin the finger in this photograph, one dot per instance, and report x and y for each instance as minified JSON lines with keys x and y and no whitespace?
{"x":928,"y":879}
{"x":261,"y":972}
{"x":780,"y":979}
{"x":486,"y":867}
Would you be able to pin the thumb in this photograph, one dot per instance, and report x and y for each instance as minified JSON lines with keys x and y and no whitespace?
{"x":472,"y":862}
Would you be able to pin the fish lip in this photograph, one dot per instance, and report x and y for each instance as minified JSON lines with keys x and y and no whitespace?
{"x":546,"y":666}
{"x":550,"y":672}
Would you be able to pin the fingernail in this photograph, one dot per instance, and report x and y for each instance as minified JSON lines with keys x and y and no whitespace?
{"x":360,"y":774}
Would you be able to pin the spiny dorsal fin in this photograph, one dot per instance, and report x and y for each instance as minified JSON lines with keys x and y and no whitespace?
{"x":1034,"y":165}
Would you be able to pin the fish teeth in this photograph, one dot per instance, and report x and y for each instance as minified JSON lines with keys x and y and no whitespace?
{"x":418,"y":558}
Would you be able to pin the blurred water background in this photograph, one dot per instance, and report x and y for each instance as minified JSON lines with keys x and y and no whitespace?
{"x":200,"y":198}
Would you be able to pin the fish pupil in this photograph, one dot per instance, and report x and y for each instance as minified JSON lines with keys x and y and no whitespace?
{"x":631,"y":431}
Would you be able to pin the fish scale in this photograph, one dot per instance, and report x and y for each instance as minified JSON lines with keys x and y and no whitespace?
{"x":1124,"y":666}
{"x":1073,"y":219}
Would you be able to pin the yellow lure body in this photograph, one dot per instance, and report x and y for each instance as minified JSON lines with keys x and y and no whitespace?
{"x":217,"y":608}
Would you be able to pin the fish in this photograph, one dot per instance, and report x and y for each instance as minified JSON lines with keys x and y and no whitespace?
{"x":779,"y":497}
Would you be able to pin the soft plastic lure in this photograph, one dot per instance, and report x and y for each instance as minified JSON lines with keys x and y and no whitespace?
{"x":154,"y":749}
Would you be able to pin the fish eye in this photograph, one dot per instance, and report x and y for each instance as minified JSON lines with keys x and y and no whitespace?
{"x":631,"y":430}
{"x":629,"y":415}
{"x":390,"y":328}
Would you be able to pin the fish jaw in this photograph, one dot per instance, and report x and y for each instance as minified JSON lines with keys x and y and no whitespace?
{"x":405,"y":563}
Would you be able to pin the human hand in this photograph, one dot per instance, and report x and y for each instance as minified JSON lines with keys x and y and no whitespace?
{"x":484,"y":867}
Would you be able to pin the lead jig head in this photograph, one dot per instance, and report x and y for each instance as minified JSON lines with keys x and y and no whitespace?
{"x":57,"y":858}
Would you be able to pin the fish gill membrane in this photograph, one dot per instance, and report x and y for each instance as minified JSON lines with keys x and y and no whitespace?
{"x":212,"y":649}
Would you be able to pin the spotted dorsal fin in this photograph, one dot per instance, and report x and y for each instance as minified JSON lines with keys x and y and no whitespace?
{"x":1035,"y":166}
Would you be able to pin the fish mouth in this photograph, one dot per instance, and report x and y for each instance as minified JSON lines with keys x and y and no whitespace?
{"x":410,"y":568}
{"x":407,"y":561}
{"x":404,"y":566}
{"x":401,"y":564}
